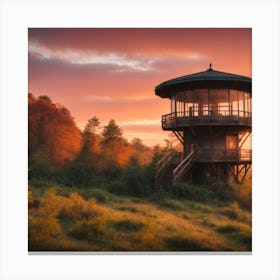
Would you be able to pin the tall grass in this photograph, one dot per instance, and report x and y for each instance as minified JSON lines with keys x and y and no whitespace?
{"x":97,"y":220}
{"x":218,"y":193}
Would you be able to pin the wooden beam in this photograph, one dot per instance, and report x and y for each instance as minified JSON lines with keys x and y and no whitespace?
{"x":234,"y":172}
{"x":179,"y":136}
{"x":245,"y":138}
{"x":247,"y":167}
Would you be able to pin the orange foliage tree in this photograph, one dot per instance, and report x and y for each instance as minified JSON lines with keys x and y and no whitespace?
{"x":57,"y":147}
{"x":53,"y":137}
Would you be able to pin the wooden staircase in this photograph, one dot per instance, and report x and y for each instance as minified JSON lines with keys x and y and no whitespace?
{"x":165,"y":180}
{"x":163,"y":172}
{"x":169,"y":173}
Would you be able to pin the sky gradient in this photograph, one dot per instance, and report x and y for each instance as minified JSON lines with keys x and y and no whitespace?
{"x":112,"y":72}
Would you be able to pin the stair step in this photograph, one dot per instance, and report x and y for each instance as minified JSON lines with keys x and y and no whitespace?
{"x":165,"y":177}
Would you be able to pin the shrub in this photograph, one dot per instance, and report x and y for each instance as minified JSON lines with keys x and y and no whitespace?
{"x":100,"y":195}
{"x":127,"y":225}
{"x":245,"y":238}
{"x":133,"y":182}
{"x":170,"y":204}
{"x":136,"y":182}
{"x":243,"y":194}
{"x":117,"y":187}
{"x":130,"y":209}
{"x":39,"y":187}
{"x":76,"y":208}
{"x":178,"y":243}
{"x":218,"y":193}
{"x":233,"y":211}
{"x":192,"y":192}
{"x":88,"y":231}
{"x":32,"y":203}
{"x":228,"y":228}
{"x":44,"y":227}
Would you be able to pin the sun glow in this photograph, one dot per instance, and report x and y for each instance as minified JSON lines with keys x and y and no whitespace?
{"x":112,"y":73}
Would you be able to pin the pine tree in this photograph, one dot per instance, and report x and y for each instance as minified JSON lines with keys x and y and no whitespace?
{"x":112,"y":133}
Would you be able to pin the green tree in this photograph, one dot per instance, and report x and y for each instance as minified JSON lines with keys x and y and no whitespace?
{"x":158,"y":153}
{"x":112,"y":133}
{"x":112,"y":149}
{"x":137,"y":143}
{"x":89,"y":136}
{"x":85,"y":167}
{"x":91,"y":126}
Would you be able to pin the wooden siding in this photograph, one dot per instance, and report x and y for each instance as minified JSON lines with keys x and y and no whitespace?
{"x":223,"y":155}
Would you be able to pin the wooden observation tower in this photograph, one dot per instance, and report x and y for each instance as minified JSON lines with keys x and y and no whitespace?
{"x":211,"y":116}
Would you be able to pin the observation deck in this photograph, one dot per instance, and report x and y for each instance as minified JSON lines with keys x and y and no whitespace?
{"x":181,"y":120}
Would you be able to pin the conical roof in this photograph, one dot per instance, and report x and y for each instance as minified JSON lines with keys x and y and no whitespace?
{"x":204,"y":80}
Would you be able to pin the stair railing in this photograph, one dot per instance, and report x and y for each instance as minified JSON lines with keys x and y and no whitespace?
{"x":162,"y":163}
{"x":182,"y":167}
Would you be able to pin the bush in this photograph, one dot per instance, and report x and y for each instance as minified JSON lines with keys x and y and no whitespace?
{"x":136,"y":182}
{"x":44,"y":227}
{"x":191,"y":192}
{"x":170,"y":204}
{"x":243,"y":194}
{"x":39,"y":186}
{"x":133,"y":182}
{"x":100,"y":195}
{"x":76,"y":208}
{"x":218,"y":193}
{"x":233,"y":211}
{"x":228,"y":228}
{"x":178,"y":243}
{"x":117,"y":187}
{"x":87,"y":231}
{"x":127,"y":225}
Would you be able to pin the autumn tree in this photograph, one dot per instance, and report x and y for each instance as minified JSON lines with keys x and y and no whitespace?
{"x":141,"y":152}
{"x":53,"y":137}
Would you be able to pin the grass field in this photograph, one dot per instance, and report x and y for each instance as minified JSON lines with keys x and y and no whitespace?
{"x":60,"y":219}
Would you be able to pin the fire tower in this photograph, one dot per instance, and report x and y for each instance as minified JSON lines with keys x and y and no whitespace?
{"x":211,"y":115}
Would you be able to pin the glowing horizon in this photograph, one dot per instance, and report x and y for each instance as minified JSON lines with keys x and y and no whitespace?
{"x":112,"y":72}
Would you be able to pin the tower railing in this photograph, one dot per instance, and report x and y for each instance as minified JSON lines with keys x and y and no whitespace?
{"x":197,"y":117}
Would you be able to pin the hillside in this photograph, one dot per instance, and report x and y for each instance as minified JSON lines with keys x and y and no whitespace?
{"x":62,"y":218}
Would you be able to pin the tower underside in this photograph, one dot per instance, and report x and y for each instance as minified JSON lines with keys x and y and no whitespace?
{"x":218,"y":152}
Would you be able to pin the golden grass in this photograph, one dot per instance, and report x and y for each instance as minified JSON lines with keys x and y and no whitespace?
{"x":74,"y":223}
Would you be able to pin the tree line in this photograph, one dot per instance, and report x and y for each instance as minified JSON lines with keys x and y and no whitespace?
{"x":94,"y":156}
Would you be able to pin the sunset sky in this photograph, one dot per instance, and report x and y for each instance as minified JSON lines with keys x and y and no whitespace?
{"x":112,"y":73}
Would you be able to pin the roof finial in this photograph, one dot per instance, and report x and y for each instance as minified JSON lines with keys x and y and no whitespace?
{"x":210,"y":67}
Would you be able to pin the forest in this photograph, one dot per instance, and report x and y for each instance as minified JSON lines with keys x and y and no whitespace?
{"x":93,"y":190}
